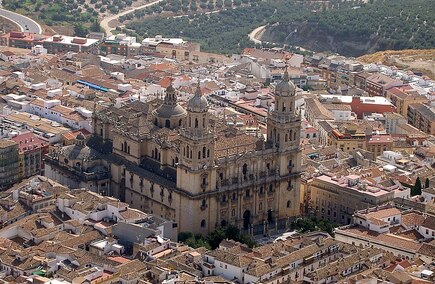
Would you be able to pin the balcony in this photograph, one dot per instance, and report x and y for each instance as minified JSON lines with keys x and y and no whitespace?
{"x":247,"y":197}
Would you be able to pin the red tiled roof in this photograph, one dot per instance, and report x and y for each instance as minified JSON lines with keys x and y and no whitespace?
{"x":27,"y":140}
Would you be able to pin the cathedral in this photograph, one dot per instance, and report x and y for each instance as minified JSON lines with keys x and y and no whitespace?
{"x":185,"y":165}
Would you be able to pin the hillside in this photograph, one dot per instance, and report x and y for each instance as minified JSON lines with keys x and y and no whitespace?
{"x":69,"y":16}
{"x":354,"y":29}
{"x":351,"y":28}
{"x":415,"y":60}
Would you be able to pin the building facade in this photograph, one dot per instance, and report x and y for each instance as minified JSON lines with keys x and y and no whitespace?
{"x":32,"y":150}
{"x":336,"y":199}
{"x":9,"y":163}
{"x":186,"y":166}
{"x":422,"y":117}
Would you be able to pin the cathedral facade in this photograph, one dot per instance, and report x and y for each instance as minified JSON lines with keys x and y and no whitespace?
{"x":184,"y":165}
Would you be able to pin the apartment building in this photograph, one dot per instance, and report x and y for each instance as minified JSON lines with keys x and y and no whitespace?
{"x":377,"y":144}
{"x":21,"y":39}
{"x":401,"y":97}
{"x":403,"y":233}
{"x":377,"y":84}
{"x":32,"y":150}
{"x":422,"y":117}
{"x":120,"y":44}
{"x":79,"y":118}
{"x":9,"y":163}
{"x":60,"y":43}
{"x":337,"y":198}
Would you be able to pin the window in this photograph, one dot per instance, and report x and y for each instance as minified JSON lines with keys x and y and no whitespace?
{"x":233,"y":212}
{"x":260,"y":206}
{"x":288,"y":204}
{"x":203,"y":223}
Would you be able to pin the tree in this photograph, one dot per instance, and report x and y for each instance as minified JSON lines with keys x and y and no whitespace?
{"x":95,"y":27}
{"x":417,"y":187}
{"x":427,"y":183}
{"x":80,"y":30}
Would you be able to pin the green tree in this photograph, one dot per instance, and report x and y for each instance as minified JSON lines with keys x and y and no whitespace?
{"x":80,"y":30}
{"x":95,"y":27}
{"x":417,"y":187}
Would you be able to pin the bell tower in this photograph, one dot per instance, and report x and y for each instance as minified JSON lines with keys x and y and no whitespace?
{"x":283,"y":133}
{"x":283,"y":122}
{"x":197,"y":146}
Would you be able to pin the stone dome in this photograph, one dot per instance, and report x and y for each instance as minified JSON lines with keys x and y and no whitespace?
{"x":74,"y":152}
{"x":80,"y":136}
{"x":169,"y":114}
{"x":285,"y":87}
{"x":169,"y":111}
{"x":197,"y":103}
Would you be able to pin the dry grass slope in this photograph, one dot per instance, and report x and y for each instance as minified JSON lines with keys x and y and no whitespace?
{"x":411,"y":59}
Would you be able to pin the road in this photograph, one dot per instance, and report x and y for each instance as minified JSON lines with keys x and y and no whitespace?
{"x":105,"y":22}
{"x":25,"y":23}
{"x":256,"y":34}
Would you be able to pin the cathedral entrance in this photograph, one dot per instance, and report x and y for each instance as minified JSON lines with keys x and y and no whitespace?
{"x":246,"y":219}
{"x":269,"y":216}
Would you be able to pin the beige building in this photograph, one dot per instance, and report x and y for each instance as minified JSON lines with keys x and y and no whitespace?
{"x":187,"y":166}
{"x":336,"y":199}
{"x":9,"y":163}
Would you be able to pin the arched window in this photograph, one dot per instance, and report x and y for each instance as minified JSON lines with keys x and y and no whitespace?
{"x":288,"y":204}
{"x":204,"y":151}
{"x":196,"y":123}
{"x":167,"y":123}
{"x":245,"y":169}
{"x":203,"y":223}
{"x":208,"y":153}
{"x":179,"y":122}
{"x":260,"y":206}
{"x":125,"y":146}
{"x":270,"y":188}
{"x":199,"y":154}
{"x":233,"y":212}
{"x":203,"y":122}
{"x":187,"y":151}
{"x":286,"y":137}
{"x":190,"y":122}
{"x":176,"y":160}
{"x":294,"y":135}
